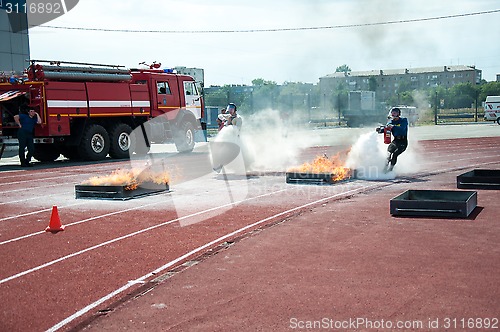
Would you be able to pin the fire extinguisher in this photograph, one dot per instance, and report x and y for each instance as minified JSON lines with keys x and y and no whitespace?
{"x":387,"y":135}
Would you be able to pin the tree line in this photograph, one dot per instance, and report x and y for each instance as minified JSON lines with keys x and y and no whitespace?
{"x":297,"y":97}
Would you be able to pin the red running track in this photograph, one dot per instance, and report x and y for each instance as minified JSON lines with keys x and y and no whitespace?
{"x":111,"y":249}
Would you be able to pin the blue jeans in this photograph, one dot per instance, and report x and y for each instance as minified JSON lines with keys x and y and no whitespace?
{"x":25,"y":141}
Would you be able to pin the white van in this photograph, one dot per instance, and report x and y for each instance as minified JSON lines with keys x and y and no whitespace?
{"x":409,"y":112}
{"x":492,"y":109}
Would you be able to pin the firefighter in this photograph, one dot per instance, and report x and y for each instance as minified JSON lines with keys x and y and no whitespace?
{"x":230,"y":134}
{"x":26,"y":123}
{"x":399,"y":129}
{"x":234,"y":119}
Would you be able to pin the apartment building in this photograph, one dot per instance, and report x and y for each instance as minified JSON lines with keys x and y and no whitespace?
{"x":387,"y":83}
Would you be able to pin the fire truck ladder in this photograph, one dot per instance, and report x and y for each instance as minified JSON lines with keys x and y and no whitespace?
{"x":77,"y":71}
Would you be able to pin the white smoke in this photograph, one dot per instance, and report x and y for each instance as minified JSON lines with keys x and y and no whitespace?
{"x":271,"y":143}
{"x":225,"y":149}
{"x":368,"y":156}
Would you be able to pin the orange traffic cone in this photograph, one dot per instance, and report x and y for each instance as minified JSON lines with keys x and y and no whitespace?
{"x":54,"y":223}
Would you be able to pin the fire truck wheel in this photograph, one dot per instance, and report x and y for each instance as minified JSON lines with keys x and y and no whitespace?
{"x":184,"y":142}
{"x":95,"y":143}
{"x":46,"y":152}
{"x":120,"y":141}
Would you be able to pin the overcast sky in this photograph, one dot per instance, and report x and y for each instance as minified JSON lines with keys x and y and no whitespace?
{"x":295,"y":56}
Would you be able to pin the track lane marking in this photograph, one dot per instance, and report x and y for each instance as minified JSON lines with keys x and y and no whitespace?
{"x":40,"y":187}
{"x":93,"y":305}
{"x":95,"y":167}
{"x":38,"y":211}
{"x":39,"y":179}
{"x":102,"y":244}
{"x":82,"y":221}
{"x":36,"y":197}
{"x":197,"y":250}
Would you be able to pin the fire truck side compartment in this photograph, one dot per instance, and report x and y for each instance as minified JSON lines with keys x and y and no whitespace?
{"x":64,"y":100}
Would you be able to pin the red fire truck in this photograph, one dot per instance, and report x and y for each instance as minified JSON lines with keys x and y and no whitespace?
{"x":89,"y":111}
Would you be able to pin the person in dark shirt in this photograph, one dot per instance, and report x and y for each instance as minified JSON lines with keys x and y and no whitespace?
{"x":26,"y":123}
{"x":399,"y":129}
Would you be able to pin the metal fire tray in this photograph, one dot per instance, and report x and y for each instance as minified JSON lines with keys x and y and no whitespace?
{"x":119,"y":192}
{"x":312,"y":178}
{"x":434,"y":203}
{"x":479,"y":179}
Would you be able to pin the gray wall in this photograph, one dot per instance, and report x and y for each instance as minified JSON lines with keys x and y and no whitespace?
{"x":14,"y":47}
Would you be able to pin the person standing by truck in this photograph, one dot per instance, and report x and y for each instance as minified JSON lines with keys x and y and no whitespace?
{"x":399,"y":129}
{"x":26,"y":123}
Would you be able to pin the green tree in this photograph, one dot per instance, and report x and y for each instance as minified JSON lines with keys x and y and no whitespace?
{"x":262,"y":82}
{"x":462,"y":95}
{"x":372,"y":83}
{"x":217,"y":96}
{"x":489,"y":89}
{"x":298,"y":97}
{"x":264,"y":94}
{"x":343,"y":69}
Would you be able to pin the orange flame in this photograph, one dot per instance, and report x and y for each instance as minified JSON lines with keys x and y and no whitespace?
{"x":324,"y":165}
{"x":130,"y":179}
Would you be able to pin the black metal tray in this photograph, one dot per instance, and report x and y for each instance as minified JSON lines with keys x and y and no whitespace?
{"x":434,"y":203}
{"x":479,"y":179}
{"x":119,"y":192}
{"x":313,"y":178}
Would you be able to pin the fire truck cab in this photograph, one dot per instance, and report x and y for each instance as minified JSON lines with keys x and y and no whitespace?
{"x":89,"y":111}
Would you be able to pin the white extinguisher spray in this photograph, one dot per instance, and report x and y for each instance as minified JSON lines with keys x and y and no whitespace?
{"x":387,"y":135}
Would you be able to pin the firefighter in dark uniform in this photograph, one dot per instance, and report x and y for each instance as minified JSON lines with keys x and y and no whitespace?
{"x":399,"y":129}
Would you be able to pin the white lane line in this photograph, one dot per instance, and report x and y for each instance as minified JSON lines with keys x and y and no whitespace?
{"x":102,"y":244}
{"x":454,"y":150}
{"x":430,"y":172}
{"x":64,"y":193}
{"x":195,"y":251}
{"x":89,"y":219}
{"x":83,"y":221}
{"x":64,"y":170}
{"x":31,"y":188}
{"x":39,"y":179}
{"x":38,"y":211}
{"x":460,"y":159}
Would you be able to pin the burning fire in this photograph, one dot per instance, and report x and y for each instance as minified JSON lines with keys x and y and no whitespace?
{"x":131,"y":179}
{"x":324,"y":165}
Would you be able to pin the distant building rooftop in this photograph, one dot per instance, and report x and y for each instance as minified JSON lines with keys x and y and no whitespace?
{"x":401,"y":71}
